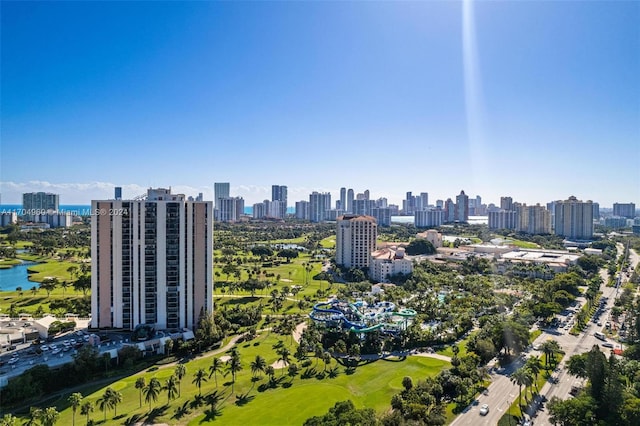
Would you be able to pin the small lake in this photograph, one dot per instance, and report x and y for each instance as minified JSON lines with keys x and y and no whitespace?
{"x":16,"y":276}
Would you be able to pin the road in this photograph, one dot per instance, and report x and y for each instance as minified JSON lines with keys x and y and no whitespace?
{"x":587,"y":340}
{"x":502,"y":392}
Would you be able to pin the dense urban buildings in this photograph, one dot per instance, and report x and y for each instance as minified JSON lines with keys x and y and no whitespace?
{"x":152,"y":261}
{"x":355,"y":240}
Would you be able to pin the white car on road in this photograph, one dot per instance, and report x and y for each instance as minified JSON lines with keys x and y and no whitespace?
{"x":484,"y":410}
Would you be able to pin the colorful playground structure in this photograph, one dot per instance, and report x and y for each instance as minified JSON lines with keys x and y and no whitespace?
{"x":360,"y":317}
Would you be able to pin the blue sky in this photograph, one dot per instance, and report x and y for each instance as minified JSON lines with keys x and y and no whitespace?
{"x":536,"y":100}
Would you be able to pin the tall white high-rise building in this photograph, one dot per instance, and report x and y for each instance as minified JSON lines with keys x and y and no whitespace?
{"x":279,"y":193}
{"x":230,"y":209}
{"x":355,"y":240}
{"x":302,"y":210}
{"x":152,"y":261}
{"x":533,"y":219}
{"x":574,"y":219}
{"x":319,"y":204}
{"x":428,"y":218}
{"x":462,"y":207}
{"x":350,"y":198}
{"x":220,"y":190}
{"x":343,"y":199}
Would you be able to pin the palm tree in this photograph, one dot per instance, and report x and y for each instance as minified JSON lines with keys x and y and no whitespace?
{"x":180,"y":372}
{"x":75,"y":399}
{"x":258,"y":365}
{"x":64,"y":285}
{"x":140,"y":384}
{"x":104,"y":403}
{"x":151,"y":391}
{"x":285,"y":357}
{"x":86,"y":409}
{"x":234,"y":366}
{"x":326,"y":359}
{"x":550,"y":348}
{"x":171,"y":386}
{"x":9,"y":420}
{"x":215,"y":368}
{"x":115,"y":397}
{"x":35,"y":414}
{"x":49,"y":416}
{"x":198,"y":378}
{"x":521,"y":378}
{"x":534,"y":365}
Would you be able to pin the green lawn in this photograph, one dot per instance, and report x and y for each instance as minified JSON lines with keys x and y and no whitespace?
{"x":51,"y":268}
{"x":522,"y":244}
{"x":462,"y":345}
{"x":372,"y":385}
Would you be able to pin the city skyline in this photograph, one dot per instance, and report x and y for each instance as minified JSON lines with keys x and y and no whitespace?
{"x":75,"y":194}
{"x":493,"y":98}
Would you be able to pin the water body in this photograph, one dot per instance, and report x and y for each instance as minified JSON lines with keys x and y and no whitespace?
{"x":473,"y":220}
{"x":17,"y":276}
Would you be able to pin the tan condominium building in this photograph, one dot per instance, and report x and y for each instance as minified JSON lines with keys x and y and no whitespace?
{"x":355,"y":240}
{"x":152,"y":261}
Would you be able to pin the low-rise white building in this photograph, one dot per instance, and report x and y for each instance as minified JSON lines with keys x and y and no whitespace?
{"x":387,"y":262}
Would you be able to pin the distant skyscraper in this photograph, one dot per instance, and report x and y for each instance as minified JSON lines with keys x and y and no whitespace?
{"x":627,"y":210}
{"x":355,"y":240}
{"x":343,"y":199}
{"x":350,"y":198}
{"x":503,"y":219}
{"x":152,"y":263}
{"x":366,"y":194}
{"x":574,"y":219}
{"x":36,"y":202}
{"x":462,"y":207}
{"x":319,"y":204}
{"x":220,"y":190}
{"x":230,"y":209}
{"x":279,"y":193}
{"x":506,"y":203}
{"x":302,"y":210}
{"x":440,"y":204}
{"x":428,"y":218}
{"x":382,"y":215}
{"x":449,"y":211}
{"x":118,"y":193}
{"x":533,"y":220}
{"x":422,"y":202}
{"x":596,"y":211}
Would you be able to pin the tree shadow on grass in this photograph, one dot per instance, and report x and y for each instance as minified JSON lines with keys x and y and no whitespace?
{"x":136,"y":418}
{"x":211,"y":415}
{"x":198,"y":401}
{"x":181,"y":411}
{"x":156,"y":412}
{"x":244,"y":399}
{"x":309,"y":373}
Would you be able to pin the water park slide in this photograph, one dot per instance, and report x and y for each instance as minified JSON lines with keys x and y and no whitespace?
{"x":367,"y":329}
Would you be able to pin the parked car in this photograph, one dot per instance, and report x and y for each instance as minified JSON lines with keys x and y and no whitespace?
{"x":484,"y":410}
{"x":607,"y":345}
